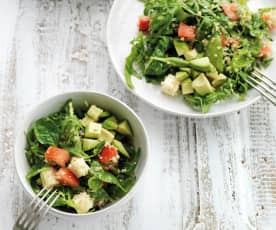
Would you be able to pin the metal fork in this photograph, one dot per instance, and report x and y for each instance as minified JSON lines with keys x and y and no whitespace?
{"x":31,"y":215}
{"x":263,"y":84}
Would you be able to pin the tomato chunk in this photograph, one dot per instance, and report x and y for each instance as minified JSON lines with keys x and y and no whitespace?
{"x":230,"y":10}
{"x":229,"y":42}
{"x":57,"y":156}
{"x":109,"y":155}
{"x":66,"y":177}
{"x":266,"y":51}
{"x":143,"y":23}
{"x":186,"y":32}
{"x":270,"y":19}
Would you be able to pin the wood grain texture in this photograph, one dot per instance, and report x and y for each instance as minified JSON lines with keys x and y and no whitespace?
{"x":216,"y":173}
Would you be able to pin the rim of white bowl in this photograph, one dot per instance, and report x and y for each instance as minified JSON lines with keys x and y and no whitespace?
{"x":110,"y":207}
{"x":186,"y":114}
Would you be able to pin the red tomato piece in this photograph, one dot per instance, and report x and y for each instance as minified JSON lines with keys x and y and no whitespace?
{"x":186,"y":32}
{"x":66,"y":177}
{"x":229,"y":41}
{"x":266,"y":51}
{"x":143,"y":23}
{"x":57,"y":156}
{"x":230,"y":10}
{"x":270,"y":19}
{"x":108,"y":155}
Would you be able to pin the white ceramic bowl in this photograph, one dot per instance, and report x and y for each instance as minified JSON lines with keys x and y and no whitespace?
{"x":54,"y":104}
{"x":122,"y":28}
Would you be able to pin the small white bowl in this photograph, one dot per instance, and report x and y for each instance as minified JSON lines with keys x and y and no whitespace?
{"x":104,"y":101}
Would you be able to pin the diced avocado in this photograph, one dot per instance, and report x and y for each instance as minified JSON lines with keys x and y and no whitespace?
{"x":88,"y":144}
{"x":195,"y":73}
{"x":85,"y":121}
{"x":201,"y":64}
{"x":191,"y":54}
{"x":186,"y":87}
{"x":201,"y":85}
{"x":94,"y":112}
{"x":93,"y":130}
{"x":106,"y":136}
{"x":212,"y":75}
{"x":220,"y":80}
{"x":110,"y":123}
{"x":181,"y":47}
{"x":124,"y":128}
{"x":180,"y":76}
{"x":104,"y":114}
{"x":120,"y":147}
{"x":186,"y":69}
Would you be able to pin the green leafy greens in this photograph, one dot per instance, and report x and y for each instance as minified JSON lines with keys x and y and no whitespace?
{"x":234,"y":47}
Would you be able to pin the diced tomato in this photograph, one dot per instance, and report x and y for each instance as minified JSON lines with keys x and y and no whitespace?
{"x":186,"y":32}
{"x":66,"y":177}
{"x":229,"y":41}
{"x":143,"y":23}
{"x":230,"y":10}
{"x":266,"y":51}
{"x":108,"y":155}
{"x":57,"y":156}
{"x":270,"y":19}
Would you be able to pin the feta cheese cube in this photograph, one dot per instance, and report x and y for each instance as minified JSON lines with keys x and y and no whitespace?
{"x":48,"y":178}
{"x":83,"y":202}
{"x":170,"y":86}
{"x":78,"y":166}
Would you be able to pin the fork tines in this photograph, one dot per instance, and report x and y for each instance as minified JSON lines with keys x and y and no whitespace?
{"x":32,"y":214}
{"x":263,"y":84}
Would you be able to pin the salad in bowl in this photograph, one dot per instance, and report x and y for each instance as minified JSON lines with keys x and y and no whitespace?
{"x":201,"y":50}
{"x":89,"y":154}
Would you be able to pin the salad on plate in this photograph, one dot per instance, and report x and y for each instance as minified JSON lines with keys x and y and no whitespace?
{"x":202,"y":50}
{"x":86,"y":153}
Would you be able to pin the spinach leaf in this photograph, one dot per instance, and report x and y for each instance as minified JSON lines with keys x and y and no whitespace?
{"x":97,"y":170}
{"x":33,"y":171}
{"x":46,"y":131}
{"x":94,"y":184}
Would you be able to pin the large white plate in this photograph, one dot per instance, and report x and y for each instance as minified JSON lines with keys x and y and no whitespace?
{"x":122,"y":28}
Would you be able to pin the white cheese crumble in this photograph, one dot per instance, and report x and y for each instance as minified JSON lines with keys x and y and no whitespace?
{"x":170,"y":86}
{"x":78,"y":166}
{"x":83,"y":202}
{"x":48,"y":178}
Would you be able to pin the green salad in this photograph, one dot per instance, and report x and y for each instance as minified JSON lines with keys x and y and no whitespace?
{"x":200,"y":49}
{"x":86,"y":153}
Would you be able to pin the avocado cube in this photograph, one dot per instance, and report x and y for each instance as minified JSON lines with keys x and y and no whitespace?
{"x":110,"y":123}
{"x":220,"y":80}
{"x":119,"y":145}
{"x":181,"y":47}
{"x":201,"y":64}
{"x":201,"y":85}
{"x":195,"y":74}
{"x":212,"y":75}
{"x":88,"y":144}
{"x":124,"y":128}
{"x":93,"y":130}
{"x":186,"y":69}
{"x":186,"y":87}
{"x":94,"y":112}
{"x":104,"y":114}
{"x":106,"y":136}
{"x":180,"y":76}
{"x":191,"y":54}
{"x":85,"y":121}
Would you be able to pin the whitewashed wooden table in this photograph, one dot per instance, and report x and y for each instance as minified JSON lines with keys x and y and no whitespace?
{"x":204,"y":174}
